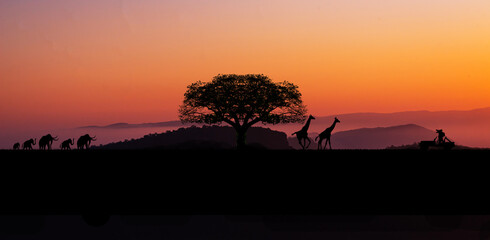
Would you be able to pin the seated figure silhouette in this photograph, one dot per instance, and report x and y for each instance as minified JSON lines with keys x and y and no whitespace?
{"x":441,"y":137}
{"x":440,"y":141}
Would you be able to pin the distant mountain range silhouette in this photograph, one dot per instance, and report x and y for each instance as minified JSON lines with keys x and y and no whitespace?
{"x":428,"y":119}
{"x":360,"y":120}
{"x":470,"y":128}
{"x":374,"y":138}
{"x":205,"y":137}
{"x":140,"y":125}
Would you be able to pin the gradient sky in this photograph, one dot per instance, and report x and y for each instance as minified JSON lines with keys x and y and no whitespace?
{"x":70,"y":63}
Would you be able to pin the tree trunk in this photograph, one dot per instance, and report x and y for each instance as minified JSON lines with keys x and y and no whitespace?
{"x":241,"y":135}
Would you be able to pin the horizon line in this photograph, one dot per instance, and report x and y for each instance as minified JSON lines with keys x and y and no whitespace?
{"x":323,"y":116}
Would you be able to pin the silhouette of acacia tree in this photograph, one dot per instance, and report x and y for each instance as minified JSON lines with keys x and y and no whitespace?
{"x":242,"y":101}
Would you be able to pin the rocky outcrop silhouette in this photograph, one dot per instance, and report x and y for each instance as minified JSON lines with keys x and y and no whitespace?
{"x":206,"y":137}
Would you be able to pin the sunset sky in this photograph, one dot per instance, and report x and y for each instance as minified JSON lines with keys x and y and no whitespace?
{"x":71,"y":63}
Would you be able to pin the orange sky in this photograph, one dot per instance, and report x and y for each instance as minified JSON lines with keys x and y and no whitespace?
{"x":72,"y":63}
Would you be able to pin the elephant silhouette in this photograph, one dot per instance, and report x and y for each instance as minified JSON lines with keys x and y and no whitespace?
{"x":27,"y":145}
{"x":84,"y":141}
{"x":16,"y":146}
{"x":66,"y":144}
{"x":46,"y":141}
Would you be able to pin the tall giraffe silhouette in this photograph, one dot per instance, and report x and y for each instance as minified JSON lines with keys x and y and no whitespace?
{"x":303,"y":134}
{"x":326,"y":135}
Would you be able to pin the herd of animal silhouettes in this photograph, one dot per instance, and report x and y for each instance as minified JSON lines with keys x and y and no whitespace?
{"x":46,"y":141}
{"x":85,"y":140}
{"x":302,"y":135}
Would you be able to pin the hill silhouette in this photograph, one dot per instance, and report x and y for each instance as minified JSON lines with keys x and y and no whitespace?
{"x":469,"y":128}
{"x":375,"y":138}
{"x":205,"y":137}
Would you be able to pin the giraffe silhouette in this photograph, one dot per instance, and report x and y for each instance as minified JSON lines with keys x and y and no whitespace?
{"x":303,"y":134}
{"x":326,"y":135}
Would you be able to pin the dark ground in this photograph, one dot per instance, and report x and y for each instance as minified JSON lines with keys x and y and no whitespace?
{"x":381,"y":194}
